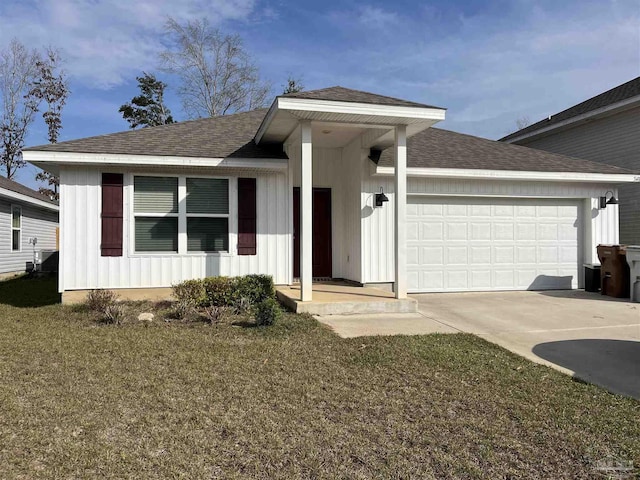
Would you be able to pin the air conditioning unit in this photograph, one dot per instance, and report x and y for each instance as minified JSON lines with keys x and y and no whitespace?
{"x":46,"y":261}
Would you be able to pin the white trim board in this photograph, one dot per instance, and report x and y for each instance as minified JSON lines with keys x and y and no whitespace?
{"x":512,"y":175}
{"x":45,"y":157}
{"x":10,"y":194}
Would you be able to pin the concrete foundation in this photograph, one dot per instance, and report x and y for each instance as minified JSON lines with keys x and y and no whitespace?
{"x":131,"y":294}
{"x":344,"y":299}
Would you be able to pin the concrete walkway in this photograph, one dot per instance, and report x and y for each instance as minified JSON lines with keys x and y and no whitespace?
{"x":587,"y":335}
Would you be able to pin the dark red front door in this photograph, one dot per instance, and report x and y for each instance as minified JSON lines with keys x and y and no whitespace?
{"x":321,"y":232}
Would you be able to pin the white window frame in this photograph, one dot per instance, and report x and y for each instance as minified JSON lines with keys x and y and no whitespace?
{"x":19,"y":207}
{"x":182,"y":216}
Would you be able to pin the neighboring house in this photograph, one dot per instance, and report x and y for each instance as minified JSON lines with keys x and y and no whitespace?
{"x":605,"y":129}
{"x":24,"y":215}
{"x":291,"y":191}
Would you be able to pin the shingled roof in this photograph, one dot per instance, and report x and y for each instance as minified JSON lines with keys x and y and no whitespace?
{"x":6,"y":184}
{"x":615,"y":95}
{"x":218,"y":137}
{"x":232,"y":136}
{"x":341,"y":94}
{"x":438,"y":148}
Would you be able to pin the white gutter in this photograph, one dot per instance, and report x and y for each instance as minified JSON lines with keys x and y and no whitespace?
{"x":513,"y":175}
{"x":66,"y":158}
{"x":10,"y":194}
{"x":627,"y":103}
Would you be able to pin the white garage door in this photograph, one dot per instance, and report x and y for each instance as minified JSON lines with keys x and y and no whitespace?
{"x":474,"y":244}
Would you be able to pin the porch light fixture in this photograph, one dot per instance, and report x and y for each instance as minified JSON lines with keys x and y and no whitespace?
{"x":381,"y":198}
{"x":611,"y":201}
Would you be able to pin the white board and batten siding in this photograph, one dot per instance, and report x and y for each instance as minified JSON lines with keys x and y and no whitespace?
{"x":614,"y":140}
{"x":561,"y":220}
{"x":37,"y":222}
{"x":84,"y":268}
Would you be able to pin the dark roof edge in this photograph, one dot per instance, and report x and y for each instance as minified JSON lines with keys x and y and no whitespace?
{"x":531,"y":130}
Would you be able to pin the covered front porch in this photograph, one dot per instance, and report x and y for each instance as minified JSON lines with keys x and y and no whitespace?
{"x":333,"y":147}
{"x":343,"y":298}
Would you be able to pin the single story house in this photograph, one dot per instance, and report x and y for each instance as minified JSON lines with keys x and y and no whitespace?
{"x":604,"y":129}
{"x":29,"y":223}
{"x":331,"y":183}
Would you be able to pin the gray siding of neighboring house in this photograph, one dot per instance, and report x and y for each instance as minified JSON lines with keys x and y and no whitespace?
{"x":36,"y":222}
{"x":614,"y":140}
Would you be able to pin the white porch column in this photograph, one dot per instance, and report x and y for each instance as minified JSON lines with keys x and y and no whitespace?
{"x":306,"y":213}
{"x":400,"y":227}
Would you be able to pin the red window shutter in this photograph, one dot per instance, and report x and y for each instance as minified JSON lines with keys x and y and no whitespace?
{"x":111,"y":242}
{"x":247,"y":216}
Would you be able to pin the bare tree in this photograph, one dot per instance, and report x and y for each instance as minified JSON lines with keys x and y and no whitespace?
{"x":51,"y":87}
{"x":217,"y":74}
{"x":17,"y":73}
{"x":523,"y":122}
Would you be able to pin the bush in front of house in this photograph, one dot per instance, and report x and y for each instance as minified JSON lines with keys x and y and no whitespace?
{"x":234,"y":294}
{"x":268,"y":312}
{"x":99,"y":300}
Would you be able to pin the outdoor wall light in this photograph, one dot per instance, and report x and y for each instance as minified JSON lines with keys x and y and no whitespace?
{"x":612,"y":200}
{"x":381,"y":198}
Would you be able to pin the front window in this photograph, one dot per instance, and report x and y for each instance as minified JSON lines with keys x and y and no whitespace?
{"x":16,"y":228}
{"x":158,"y":216}
{"x":155,"y":207}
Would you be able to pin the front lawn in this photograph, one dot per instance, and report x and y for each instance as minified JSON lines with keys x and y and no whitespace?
{"x":80,"y":399}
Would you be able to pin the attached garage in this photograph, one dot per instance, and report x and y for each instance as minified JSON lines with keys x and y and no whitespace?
{"x":480,"y":243}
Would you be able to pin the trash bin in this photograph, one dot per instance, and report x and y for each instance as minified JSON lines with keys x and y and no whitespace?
{"x":591,"y":277}
{"x":633,"y":259}
{"x":614,"y":271}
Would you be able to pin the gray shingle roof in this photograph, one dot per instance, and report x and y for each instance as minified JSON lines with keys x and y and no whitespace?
{"x":16,"y":187}
{"x":438,"y":148}
{"x":232,"y":136}
{"x":218,"y":137}
{"x":615,"y":95}
{"x":341,"y":94}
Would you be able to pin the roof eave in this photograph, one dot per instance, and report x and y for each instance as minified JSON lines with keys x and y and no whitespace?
{"x":390,"y":114}
{"x":21,"y":197}
{"x":585,"y":177}
{"x":607,"y":110}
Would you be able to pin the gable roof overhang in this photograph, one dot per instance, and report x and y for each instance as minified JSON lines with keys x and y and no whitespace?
{"x":287,"y":111}
{"x":613,"y":101}
{"x":52,"y":161}
{"x":14,"y":196}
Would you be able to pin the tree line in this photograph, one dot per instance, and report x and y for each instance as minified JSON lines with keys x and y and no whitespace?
{"x":215,"y":76}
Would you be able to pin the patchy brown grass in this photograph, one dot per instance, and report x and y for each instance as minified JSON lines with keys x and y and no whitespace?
{"x":79,"y":399}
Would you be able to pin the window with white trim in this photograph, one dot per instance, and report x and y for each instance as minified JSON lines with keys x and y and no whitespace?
{"x":157,"y":215}
{"x":16,"y":228}
{"x":207,"y":214}
{"x":155,"y":209}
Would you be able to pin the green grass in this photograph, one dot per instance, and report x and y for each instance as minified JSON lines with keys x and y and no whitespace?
{"x":80,"y":399}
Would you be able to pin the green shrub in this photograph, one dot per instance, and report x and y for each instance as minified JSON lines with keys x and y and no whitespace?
{"x":255,"y":288}
{"x":220,"y":291}
{"x":100,"y":300}
{"x":190,"y":292}
{"x":268,"y":312}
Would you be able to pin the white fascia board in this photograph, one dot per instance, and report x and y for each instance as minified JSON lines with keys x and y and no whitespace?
{"x":624,"y":104}
{"x":10,"y":194}
{"x":354,"y":108}
{"x":266,"y":121}
{"x":513,"y":175}
{"x":65,"y":158}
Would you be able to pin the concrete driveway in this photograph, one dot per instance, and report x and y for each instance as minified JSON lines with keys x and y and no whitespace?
{"x":590,"y":336}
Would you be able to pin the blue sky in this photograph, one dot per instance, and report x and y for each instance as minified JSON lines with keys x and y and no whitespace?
{"x":489,"y":62}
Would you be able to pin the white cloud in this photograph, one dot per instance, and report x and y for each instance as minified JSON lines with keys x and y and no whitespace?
{"x":105,"y":42}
